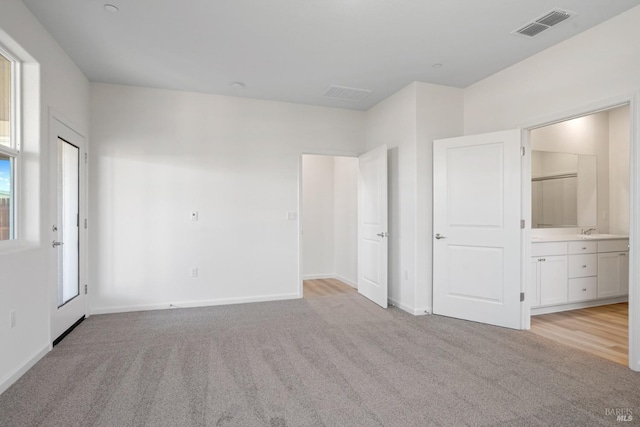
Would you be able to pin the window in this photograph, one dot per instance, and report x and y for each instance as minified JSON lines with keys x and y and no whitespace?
{"x":8,"y":145}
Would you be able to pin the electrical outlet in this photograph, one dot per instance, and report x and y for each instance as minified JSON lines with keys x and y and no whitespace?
{"x":194,"y":272}
{"x":12,"y":315}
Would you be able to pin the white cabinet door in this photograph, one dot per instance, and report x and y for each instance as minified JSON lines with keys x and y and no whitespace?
{"x":553,"y":280}
{"x":613,"y":274}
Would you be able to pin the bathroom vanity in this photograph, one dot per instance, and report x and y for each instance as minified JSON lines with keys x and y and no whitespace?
{"x":577,"y":271}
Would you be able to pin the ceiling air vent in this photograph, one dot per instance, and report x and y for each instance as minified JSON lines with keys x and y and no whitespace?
{"x":346,"y":93}
{"x":544,"y":22}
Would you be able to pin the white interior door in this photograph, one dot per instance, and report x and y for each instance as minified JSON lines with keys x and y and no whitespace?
{"x":372,"y":225}
{"x":68,"y":304}
{"x":477,"y":241}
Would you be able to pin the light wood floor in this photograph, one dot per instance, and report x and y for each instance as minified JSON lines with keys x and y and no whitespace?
{"x":324,"y":287}
{"x":602,"y":331}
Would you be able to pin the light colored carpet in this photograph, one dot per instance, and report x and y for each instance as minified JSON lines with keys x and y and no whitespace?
{"x":337,"y":360}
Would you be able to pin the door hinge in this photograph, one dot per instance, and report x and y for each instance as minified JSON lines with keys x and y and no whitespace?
{"x":522,"y":224}
{"x":86,"y":289}
{"x":85,"y":223}
{"x":86,"y":158}
{"x":522,"y":151}
{"x":521,"y":296}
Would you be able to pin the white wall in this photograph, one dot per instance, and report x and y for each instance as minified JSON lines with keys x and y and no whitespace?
{"x":346,"y":219}
{"x":619,"y":139}
{"x":24,"y":278}
{"x":594,"y":66}
{"x":439,"y":113}
{"x":393,"y":122}
{"x":158,"y":154}
{"x":408,"y":122}
{"x":330,"y":218}
{"x":318,"y":219}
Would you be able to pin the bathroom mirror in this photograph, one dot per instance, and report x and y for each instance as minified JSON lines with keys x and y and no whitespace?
{"x":563,"y":190}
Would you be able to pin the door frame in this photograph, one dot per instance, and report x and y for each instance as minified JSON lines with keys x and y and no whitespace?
{"x":630,"y":99}
{"x":51,"y":218}
{"x":329,"y":153}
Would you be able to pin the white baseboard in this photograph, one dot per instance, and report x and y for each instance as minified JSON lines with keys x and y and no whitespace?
{"x":318,"y":276}
{"x":423,"y":311}
{"x":192,"y":304}
{"x":347,"y":281}
{"x":5,"y":383}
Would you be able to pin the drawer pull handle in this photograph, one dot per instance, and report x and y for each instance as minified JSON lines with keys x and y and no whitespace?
{"x":584,"y":248}
{"x":623,"y":254}
{"x":584,"y":266}
{"x":584,"y":289}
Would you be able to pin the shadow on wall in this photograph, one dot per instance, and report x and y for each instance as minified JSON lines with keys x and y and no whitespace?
{"x":393,"y":161}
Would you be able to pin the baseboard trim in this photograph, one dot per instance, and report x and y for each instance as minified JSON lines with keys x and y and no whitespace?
{"x":401,"y":306}
{"x":192,"y":304}
{"x":347,"y":281}
{"x":318,"y":276}
{"x":577,"y":305}
{"x":422,"y":311}
{"x":12,"y":378}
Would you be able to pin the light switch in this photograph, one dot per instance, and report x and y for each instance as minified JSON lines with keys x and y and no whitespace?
{"x":194,"y":215}
{"x":292,"y":216}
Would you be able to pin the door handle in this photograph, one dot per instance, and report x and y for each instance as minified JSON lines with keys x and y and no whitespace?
{"x":383,"y":234}
{"x":440,"y":236}
{"x":56,"y":244}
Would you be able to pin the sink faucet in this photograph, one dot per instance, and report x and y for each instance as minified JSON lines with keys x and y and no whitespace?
{"x":587,"y":231}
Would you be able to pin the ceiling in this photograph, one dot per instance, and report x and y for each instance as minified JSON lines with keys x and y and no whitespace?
{"x":292,"y":50}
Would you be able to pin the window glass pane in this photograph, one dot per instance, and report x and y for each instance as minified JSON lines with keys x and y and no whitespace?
{"x":5,"y":101}
{"x":6,"y":198}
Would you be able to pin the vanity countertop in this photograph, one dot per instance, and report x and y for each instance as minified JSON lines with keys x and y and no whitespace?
{"x":576,"y":237}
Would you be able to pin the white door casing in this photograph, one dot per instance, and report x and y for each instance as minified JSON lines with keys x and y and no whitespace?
{"x":69,"y":255}
{"x":477,"y":236}
{"x":372,"y":226}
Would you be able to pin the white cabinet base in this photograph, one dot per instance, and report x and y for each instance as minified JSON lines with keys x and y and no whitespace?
{"x":577,"y":305}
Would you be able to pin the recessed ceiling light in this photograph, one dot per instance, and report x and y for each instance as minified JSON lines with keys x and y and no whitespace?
{"x":437,"y":65}
{"x":111,"y":8}
{"x":237,"y":85}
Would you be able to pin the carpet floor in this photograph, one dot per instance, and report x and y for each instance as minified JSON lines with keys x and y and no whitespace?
{"x":336,"y":361}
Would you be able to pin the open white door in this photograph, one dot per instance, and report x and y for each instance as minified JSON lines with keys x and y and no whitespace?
{"x":372,"y":225}
{"x":477,"y":212}
{"x":68,"y":238}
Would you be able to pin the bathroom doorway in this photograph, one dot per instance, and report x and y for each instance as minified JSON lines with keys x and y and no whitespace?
{"x":580,"y":226}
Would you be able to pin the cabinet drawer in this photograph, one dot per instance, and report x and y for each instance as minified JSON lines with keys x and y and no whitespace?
{"x":583,"y":265}
{"x":582,"y":289}
{"x":583,"y":247}
{"x":550,"y":248}
{"x":621,"y":245}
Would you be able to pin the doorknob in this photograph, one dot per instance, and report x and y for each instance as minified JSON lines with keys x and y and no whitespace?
{"x":440,"y":236}
{"x":383,"y":234}
{"x":56,"y":244}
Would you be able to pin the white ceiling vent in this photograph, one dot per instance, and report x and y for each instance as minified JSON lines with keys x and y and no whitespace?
{"x":346,"y":93}
{"x":544,"y":22}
